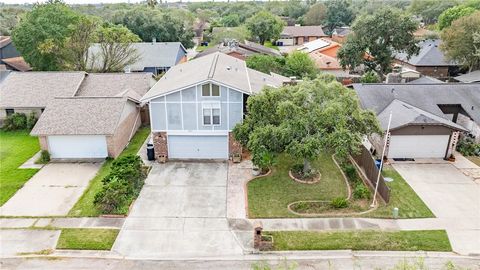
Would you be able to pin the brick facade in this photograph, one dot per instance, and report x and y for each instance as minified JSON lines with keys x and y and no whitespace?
{"x":160,"y":144}
{"x":117,"y":142}
{"x":43,"y":142}
{"x":233,"y":145}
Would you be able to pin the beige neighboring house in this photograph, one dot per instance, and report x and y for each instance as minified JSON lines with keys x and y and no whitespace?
{"x":81,"y":115}
{"x":298,"y":35}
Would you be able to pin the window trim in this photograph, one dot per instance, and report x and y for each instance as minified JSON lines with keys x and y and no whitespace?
{"x":211,"y":107}
{"x":9,"y":111}
{"x":210,"y":91}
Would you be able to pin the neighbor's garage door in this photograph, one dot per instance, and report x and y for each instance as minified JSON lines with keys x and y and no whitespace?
{"x":418,"y":146}
{"x":78,"y":146}
{"x":197,"y":147}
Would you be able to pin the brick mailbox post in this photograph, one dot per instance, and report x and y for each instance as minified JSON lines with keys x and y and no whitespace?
{"x":259,"y":241}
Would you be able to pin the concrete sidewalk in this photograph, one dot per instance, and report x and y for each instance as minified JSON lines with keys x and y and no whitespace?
{"x":84,"y":222}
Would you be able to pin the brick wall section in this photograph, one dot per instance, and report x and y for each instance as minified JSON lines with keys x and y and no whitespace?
{"x":43,"y":142}
{"x":233,"y":145}
{"x":160,"y":144}
{"x":117,"y":142}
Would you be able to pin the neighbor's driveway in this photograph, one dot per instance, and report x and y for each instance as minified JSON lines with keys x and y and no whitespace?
{"x":181,"y":212}
{"x":52,"y":191}
{"x":453,"y":197}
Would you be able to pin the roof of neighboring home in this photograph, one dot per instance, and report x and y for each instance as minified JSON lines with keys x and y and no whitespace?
{"x":4,"y":41}
{"x":247,"y":49}
{"x":315,"y":45}
{"x":323,"y":61}
{"x":80,"y":116}
{"x":426,"y":97}
{"x":303,"y":31}
{"x":216,"y":67}
{"x":471,"y":77}
{"x":133,"y":85}
{"x":18,"y":63}
{"x":152,"y":54}
{"x":404,"y":114}
{"x":36,"y":89}
{"x":342,"y":31}
{"x":429,"y":55}
{"x":425,"y":80}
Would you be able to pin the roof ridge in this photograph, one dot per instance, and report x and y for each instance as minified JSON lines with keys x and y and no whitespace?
{"x":213,"y":66}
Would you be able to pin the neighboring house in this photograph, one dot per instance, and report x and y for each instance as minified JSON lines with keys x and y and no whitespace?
{"x":426,"y":118}
{"x":430,"y":61}
{"x":298,"y":35}
{"x":195,"y":106}
{"x":10,"y":58}
{"x":425,"y":80}
{"x":240,"y":50}
{"x":471,"y":77}
{"x":155,"y":57}
{"x":340,"y":34}
{"x":81,"y":115}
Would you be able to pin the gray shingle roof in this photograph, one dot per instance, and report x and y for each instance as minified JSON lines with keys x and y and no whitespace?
{"x":303,"y":31}
{"x":248,"y":48}
{"x":426,"y":97}
{"x":425,"y":80}
{"x":80,"y":116}
{"x":404,"y":114}
{"x":471,"y":77}
{"x":158,"y":54}
{"x":116,"y":84}
{"x":216,"y":67}
{"x":36,"y":89}
{"x":429,"y":55}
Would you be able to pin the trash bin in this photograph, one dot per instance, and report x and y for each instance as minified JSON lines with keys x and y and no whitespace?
{"x":377,"y":163}
{"x":150,"y":152}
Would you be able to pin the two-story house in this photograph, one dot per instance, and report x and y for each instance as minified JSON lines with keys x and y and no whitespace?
{"x":195,"y":106}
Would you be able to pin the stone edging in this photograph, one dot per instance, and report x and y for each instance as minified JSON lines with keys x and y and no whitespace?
{"x":317,"y":179}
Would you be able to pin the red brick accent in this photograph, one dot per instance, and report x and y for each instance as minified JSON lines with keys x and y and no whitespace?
{"x":160,"y":144}
{"x":233,"y":145}
{"x":117,"y":142}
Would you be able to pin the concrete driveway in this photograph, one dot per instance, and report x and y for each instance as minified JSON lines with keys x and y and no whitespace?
{"x":453,"y":197}
{"x":52,"y":191}
{"x":181,"y":212}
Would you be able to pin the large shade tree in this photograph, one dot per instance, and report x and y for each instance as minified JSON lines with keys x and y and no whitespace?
{"x":265,"y":26}
{"x":304,"y":120}
{"x":448,"y":16}
{"x":316,"y":14}
{"x":339,"y":13}
{"x":375,"y":39}
{"x":461,"y":41}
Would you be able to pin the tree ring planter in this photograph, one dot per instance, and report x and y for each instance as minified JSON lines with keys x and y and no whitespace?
{"x":330,"y":212}
{"x":316,"y":179}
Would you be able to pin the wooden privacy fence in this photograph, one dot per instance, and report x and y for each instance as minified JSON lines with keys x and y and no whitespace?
{"x":367,"y":165}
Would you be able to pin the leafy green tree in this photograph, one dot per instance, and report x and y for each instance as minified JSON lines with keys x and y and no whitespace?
{"x":338,"y":14}
{"x":266,"y":63}
{"x":265,"y":26}
{"x":116,"y":50}
{"x":304,"y":120}
{"x":295,"y":9}
{"x":300,"y":65}
{"x":152,"y":23}
{"x":152,"y":3}
{"x":239,"y":33}
{"x":231,"y":20}
{"x":316,"y":14}
{"x":376,"y":37}
{"x":9,"y":18}
{"x":461,"y":41}
{"x":429,"y":10}
{"x":370,"y":77}
{"x":448,"y":16}
{"x":42,"y":32}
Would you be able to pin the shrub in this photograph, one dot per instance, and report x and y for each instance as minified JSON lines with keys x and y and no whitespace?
{"x":370,"y":77}
{"x":121,"y":185}
{"x":15,"y":121}
{"x":31,"y":120}
{"x":361,"y":192}
{"x":467,"y":147}
{"x":44,"y":157}
{"x":339,"y":202}
{"x":350,"y":171}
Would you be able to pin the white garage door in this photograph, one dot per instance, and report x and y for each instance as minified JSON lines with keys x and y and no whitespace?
{"x":197,"y":147}
{"x":418,"y":146}
{"x":78,"y":146}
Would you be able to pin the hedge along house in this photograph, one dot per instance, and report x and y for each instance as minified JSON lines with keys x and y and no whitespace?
{"x":85,"y":116}
{"x":195,"y":106}
{"x":426,"y":118}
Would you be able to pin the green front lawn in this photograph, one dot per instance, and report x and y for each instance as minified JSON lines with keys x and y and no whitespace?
{"x":403,"y":197}
{"x":84,"y":206}
{"x":269,"y":196}
{"x":16,"y":147}
{"x":270,"y":45}
{"x":90,"y":239}
{"x":434,"y":240}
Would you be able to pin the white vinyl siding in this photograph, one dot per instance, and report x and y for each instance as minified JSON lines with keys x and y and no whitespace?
{"x":77,"y":146}
{"x":197,"y":147}
{"x":418,"y":146}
